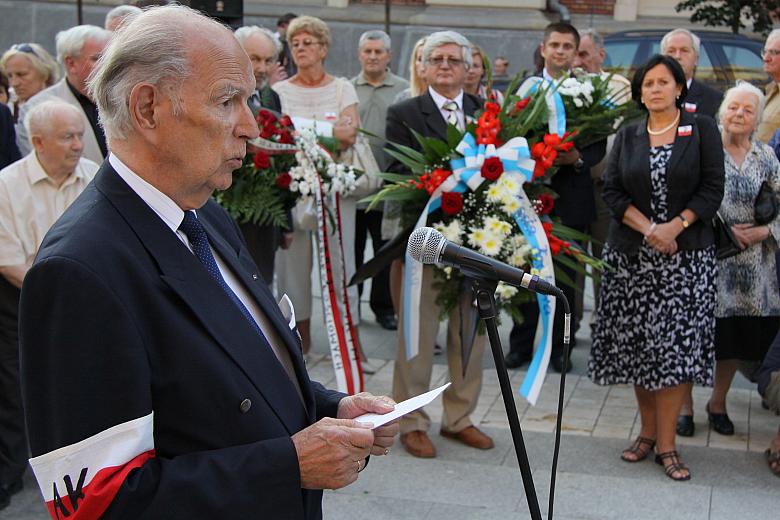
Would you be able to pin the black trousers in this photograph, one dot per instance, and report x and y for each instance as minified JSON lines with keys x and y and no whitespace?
{"x":521,"y":338}
{"x":13,"y":437}
{"x":371,"y":223}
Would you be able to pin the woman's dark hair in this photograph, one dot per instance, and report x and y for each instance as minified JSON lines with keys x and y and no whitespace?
{"x":674,"y":68}
{"x":3,"y":82}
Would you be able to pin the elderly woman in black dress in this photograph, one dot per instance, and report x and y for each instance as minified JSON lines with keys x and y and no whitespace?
{"x":663,"y":184}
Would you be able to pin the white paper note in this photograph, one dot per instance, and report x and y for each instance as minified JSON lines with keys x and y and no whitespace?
{"x":403,"y":408}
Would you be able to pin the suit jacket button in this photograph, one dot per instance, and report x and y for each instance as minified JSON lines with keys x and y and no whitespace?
{"x":245,"y":405}
{"x":254,"y":277}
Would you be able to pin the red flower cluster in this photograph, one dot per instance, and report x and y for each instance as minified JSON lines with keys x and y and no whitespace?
{"x":545,"y":152}
{"x":492,"y":168}
{"x":544,"y":204}
{"x":430,"y":181}
{"x":556,"y":244}
{"x":270,"y":126}
{"x":489,"y":125}
{"x":520,"y":105}
{"x":283,"y":180}
{"x":261,"y":160}
{"x":451,"y":203}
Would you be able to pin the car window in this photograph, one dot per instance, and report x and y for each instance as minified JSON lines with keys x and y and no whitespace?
{"x":620,"y":56}
{"x":704,"y":71}
{"x":745,"y":63}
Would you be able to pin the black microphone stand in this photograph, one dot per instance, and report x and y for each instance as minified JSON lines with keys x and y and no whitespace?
{"x":484,"y":291}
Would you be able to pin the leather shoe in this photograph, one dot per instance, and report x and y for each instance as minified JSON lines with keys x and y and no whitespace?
{"x":685,"y":426}
{"x":418,"y":444}
{"x":470,"y":436}
{"x":557,"y":364}
{"x":517,"y":359}
{"x":720,"y":422}
{"x":387,"y":321}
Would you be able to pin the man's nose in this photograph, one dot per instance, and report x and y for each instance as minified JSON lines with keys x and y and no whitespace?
{"x":247,"y":126}
{"x":77,"y":144}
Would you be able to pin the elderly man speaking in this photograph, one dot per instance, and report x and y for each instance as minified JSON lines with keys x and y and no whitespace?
{"x":160,"y":378}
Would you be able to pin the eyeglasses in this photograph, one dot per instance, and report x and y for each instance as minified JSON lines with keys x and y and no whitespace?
{"x":772,"y":52}
{"x":24,"y":47}
{"x":438,"y":61}
{"x":304,"y":43}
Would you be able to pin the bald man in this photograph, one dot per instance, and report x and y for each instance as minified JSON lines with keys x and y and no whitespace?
{"x":34,"y":192}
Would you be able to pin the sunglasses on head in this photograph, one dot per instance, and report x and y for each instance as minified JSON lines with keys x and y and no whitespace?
{"x":24,"y":47}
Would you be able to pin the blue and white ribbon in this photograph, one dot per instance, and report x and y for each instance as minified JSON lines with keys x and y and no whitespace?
{"x":556,"y":113}
{"x":516,"y":159}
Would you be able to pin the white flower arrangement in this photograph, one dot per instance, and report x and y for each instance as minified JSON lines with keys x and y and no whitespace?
{"x":315,"y":165}
{"x":579,"y":89}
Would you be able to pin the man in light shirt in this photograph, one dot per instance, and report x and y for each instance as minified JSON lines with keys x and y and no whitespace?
{"x":447,"y":59}
{"x":34,"y":192}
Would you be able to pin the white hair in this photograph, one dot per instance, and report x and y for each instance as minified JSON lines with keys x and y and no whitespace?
{"x":772,"y":35}
{"x":743,"y":87}
{"x":594,"y":35}
{"x":39,"y":119}
{"x":122,"y":12}
{"x":440,"y":38}
{"x":695,"y":40}
{"x":375,"y":35}
{"x":242,"y":34}
{"x":151,"y":49}
{"x":71,"y":41}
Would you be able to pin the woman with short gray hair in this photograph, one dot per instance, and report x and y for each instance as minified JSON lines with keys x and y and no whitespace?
{"x":747,"y":314}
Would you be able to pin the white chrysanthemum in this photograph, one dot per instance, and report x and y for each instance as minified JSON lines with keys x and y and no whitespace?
{"x":495,"y":192}
{"x":509,"y":184}
{"x":304,"y":188}
{"x":491,"y":246}
{"x":511,"y":206}
{"x":577,"y":102}
{"x":505,"y":292}
{"x":518,"y":240}
{"x":477,"y":237}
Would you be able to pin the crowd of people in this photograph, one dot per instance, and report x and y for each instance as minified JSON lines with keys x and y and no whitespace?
{"x":111,"y":152}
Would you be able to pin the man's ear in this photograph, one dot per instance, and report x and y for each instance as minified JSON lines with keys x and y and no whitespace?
{"x":36,"y":141}
{"x":144,"y":106}
{"x":68,"y":62}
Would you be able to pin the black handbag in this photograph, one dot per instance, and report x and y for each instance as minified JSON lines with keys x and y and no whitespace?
{"x":725,"y":242}
{"x":765,"y":206}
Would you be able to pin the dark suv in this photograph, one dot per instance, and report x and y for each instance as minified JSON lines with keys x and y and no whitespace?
{"x":724,"y":57}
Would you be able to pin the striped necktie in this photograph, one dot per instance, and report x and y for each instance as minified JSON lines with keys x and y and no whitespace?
{"x":452,"y":113}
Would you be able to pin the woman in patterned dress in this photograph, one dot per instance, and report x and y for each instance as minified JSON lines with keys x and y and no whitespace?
{"x":656,"y":318}
{"x":748,"y":305}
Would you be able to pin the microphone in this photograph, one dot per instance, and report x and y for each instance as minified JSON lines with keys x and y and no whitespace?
{"x":428,"y":246}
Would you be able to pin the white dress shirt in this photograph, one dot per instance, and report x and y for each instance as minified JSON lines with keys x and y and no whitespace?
{"x":441,"y":101}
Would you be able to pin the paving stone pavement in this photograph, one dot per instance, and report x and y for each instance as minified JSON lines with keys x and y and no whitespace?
{"x":730,"y":476}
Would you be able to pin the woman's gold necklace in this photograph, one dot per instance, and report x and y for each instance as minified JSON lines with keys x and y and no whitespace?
{"x":665,"y":129}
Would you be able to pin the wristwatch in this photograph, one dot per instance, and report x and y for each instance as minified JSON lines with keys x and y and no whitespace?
{"x":685,"y":222}
{"x":579,"y":163}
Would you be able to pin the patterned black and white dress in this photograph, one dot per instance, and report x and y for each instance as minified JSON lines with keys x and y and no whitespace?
{"x":656,"y":314}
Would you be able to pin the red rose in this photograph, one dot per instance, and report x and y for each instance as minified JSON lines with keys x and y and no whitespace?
{"x":262,"y":160}
{"x":285,"y":137}
{"x":451,"y":203}
{"x":284,"y":180}
{"x":267,"y":131}
{"x":546,"y":203}
{"x":265,"y":116}
{"x":492,"y":168}
{"x":552,"y":140}
{"x":286,"y":121}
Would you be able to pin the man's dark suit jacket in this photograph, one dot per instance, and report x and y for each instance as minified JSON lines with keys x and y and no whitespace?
{"x":706,"y":99}
{"x":423,"y":116}
{"x":9,"y":152}
{"x":118,"y":320}
{"x":263,"y":241}
{"x":695,"y":178}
